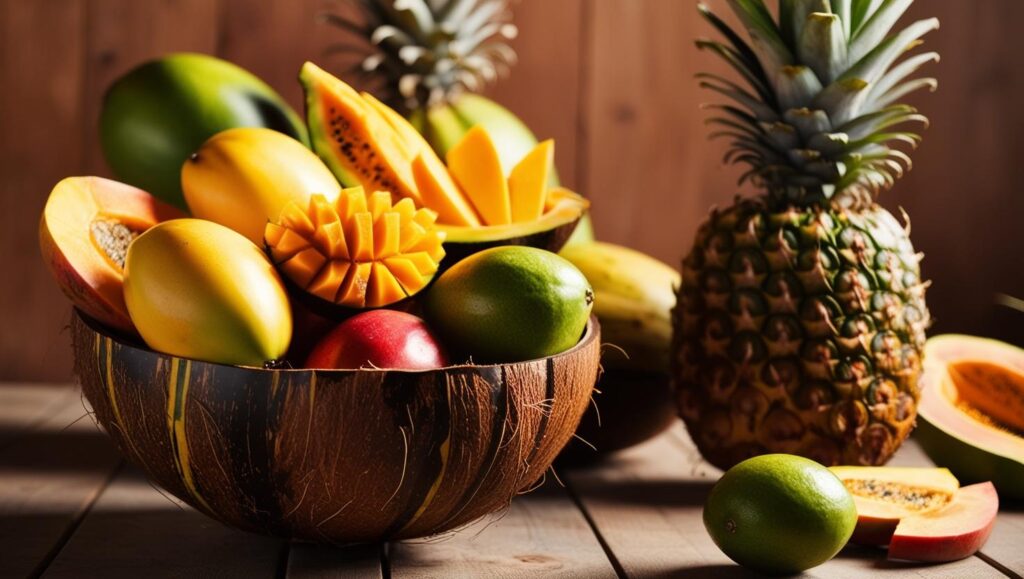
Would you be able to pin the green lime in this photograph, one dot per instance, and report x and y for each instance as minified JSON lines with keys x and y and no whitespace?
{"x":780,"y":514}
{"x":509,"y":304}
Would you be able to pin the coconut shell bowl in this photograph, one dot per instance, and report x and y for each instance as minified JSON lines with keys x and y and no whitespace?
{"x":340,"y":456}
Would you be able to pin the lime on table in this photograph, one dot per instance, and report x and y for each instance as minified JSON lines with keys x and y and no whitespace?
{"x":780,"y":514}
{"x":510,"y":304}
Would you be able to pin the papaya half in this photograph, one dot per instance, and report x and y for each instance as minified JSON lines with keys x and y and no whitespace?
{"x":480,"y":202}
{"x":972,"y":410}
{"x":84,"y":234}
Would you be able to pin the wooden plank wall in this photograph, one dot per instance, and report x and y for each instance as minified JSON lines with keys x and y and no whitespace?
{"x":610,"y":80}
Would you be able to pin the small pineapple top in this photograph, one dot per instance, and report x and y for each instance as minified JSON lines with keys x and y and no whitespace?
{"x":429,"y":51}
{"x":820,"y":112}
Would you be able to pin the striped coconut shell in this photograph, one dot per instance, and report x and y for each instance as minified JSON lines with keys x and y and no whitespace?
{"x":337,"y":456}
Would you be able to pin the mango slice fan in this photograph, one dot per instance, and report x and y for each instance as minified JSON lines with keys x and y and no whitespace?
{"x":365,"y":142}
{"x":358,"y":250}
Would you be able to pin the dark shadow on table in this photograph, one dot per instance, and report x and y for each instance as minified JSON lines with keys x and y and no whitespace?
{"x":153,"y":543}
{"x":723,"y":571}
{"x":53,"y":451}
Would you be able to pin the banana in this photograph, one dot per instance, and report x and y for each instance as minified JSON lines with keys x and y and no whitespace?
{"x":634,"y":297}
{"x":242,"y":178}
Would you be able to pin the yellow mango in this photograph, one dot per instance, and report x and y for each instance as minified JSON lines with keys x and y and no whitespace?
{"x":476,"y":167}
{"x":196,"y":289}
{"x":528,"y":183}
{"x":242,"y":178}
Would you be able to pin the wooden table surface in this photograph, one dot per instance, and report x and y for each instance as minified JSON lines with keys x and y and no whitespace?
{"x":70,"y":507}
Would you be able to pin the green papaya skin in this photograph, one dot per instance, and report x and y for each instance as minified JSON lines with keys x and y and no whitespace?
{"x":157,"y":115}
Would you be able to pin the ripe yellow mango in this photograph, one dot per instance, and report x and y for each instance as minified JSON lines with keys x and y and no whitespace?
{"x":196,"y":289}
{"x":242,"y":178}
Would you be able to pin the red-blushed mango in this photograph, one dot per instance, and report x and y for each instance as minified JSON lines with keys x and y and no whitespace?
{"x":196,"y":289}
{"x":84,"y":233}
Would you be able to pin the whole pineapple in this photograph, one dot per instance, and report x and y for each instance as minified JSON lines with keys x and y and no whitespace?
{"x":801,"y":318}
{"x":429,"y":57}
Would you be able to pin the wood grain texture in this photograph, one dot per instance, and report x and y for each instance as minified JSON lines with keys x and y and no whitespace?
{"x":646,"y":504}
{"x":48,"y":479}
{"x":544,"y":87}
{"x":41,"y":132}
{"x":648,"y":167}
{"x":961,"y":195}
{"x":134,"y":530}
{"x":1003,"y":549}
{"x":26,"y":407}
{"x":122,"y":34}
{"x":272,"y":38}
{"x":337,"y":456}
{"x":542,"y":535}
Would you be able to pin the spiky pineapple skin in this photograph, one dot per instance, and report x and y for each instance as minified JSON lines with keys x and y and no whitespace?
{"x":799,"y":330}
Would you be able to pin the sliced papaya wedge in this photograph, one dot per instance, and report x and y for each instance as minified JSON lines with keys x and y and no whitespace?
{"x":353,"y":139}
{"x":886,"y":495}
{"x":366,"y":143}
{"x":954,"y":532}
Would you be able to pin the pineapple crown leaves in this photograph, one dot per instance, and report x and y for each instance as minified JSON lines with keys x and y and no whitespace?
{"x":819,"y":116}
{"x":428,"y":51}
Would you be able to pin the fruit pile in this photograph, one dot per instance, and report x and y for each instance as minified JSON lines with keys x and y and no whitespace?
{"x":255,"y":249}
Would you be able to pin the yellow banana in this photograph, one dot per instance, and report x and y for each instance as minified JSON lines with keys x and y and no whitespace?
{"x":241,"y":178}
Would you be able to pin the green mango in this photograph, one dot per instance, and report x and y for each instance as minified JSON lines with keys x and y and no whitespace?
{"x":157,"y":115}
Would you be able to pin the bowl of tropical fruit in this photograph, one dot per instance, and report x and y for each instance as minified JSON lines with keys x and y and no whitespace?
{"x":320,"y":330}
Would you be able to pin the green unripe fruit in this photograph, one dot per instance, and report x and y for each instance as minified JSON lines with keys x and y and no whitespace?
{"x":780,"y":514}
{"x":509,"y":304}
{"x":161,"y":112}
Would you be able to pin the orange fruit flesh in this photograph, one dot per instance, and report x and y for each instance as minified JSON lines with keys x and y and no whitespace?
{"x":85,"y":230}
{"x":358,"y":252}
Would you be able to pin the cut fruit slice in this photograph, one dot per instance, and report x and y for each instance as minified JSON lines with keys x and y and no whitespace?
{"x":353,"y":139}
{"x":971,"y":409}
{"x":84,"y":233}
{"x":885,"y":495}
{"x":436,"y":188}
{"x":476,"y":167}
{"x":528,"y":183}
{"x":357,"y":252}
{"x":949,"y":534}
{"x":366,"y":143}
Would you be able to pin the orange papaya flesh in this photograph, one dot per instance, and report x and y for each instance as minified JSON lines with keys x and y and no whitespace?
{"x":355,"y":142}
{"x":360,"y":251}
{"x":990,"y":392}
{"x":476,"y":167}
{"x":886,"y":495}
{"x":971,"y":410}
{"x":528,"y":183}
{"x":84,"y":233}
{"x":956,"y":531}
{"x":478,"y":202}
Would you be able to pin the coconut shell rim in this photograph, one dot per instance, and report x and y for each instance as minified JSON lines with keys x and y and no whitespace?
{"x":590,"y":333}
